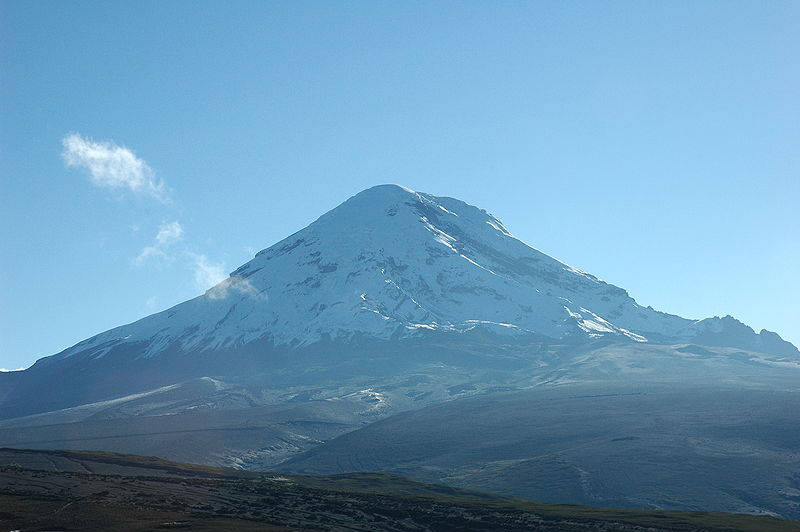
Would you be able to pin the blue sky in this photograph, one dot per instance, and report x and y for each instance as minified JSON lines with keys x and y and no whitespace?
{"x":654,"y":144}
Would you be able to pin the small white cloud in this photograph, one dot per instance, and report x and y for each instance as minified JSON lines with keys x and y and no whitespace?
{"x":150,"y":252}
{"x":112,"y":166}
{"x":216,"y":283}
{"x":206,"y":273}
{"x":4,"y":370}
{"x":151,"y":303}
{"x":233,"y":284}
{"x":168,"y":234}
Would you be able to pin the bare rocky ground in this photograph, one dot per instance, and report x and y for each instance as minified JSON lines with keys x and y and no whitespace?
{"x":87,"y":491}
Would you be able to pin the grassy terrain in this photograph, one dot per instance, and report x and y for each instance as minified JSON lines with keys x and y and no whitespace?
{"x":80,"y":490}
{"x":42,"y":514}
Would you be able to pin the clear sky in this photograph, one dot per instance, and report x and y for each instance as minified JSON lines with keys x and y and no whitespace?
{"x":653,"y":144}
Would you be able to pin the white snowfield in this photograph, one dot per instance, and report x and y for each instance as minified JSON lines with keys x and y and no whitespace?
{"x":388,"y":263}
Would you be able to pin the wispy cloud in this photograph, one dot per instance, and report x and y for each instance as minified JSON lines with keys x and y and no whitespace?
{"x":168,"y":234}
{"x":211,"y":278}
{"x":234,"y":284}
{"x":152,"y":304}
{"x":112,"y":166}
{"x":148,"y":253}
{"x":207,"y":273}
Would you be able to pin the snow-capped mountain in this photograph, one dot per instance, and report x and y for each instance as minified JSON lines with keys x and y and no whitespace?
{"x":393,"y":301}
{"x":391,"y":262}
